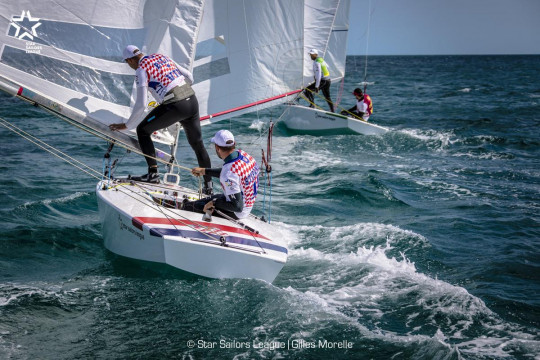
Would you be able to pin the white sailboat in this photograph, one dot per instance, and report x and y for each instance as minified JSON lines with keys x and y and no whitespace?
{"x":317,"y":121}
{"x":330,"y":37}
{"x":244,"y":55}
{"x":141,"y":221}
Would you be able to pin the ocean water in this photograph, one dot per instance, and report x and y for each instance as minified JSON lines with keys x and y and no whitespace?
{"x":422,"y":243}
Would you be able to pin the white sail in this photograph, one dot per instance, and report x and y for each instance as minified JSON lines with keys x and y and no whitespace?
{"x":70,"y":52}
{"x":336,"y":51}
{"x":319,"y":16}
{"x":247,"y":52}
{"x":244,"y":55}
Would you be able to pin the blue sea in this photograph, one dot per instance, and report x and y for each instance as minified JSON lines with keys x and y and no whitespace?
{"x":423,"y":243}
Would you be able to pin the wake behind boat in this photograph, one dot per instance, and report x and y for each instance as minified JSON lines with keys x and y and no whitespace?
{"x":142,"y":221}
{"x":316,"y":121}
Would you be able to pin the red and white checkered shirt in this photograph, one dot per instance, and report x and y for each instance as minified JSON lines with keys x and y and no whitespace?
{"x":159,"y":73}
{"x":241,"y":175}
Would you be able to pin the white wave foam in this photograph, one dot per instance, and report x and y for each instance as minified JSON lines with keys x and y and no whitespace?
{"x":366,"y":83}
{"x":438,"y":140}
{"x":486,"y":156}
{"x":441,"y":187}
{"x":12,"y":293}
{"x":286,"y":232}
{"x":257,"y":125}
{"x":465,"y":90}
{"x":315,"y":308}
{"x":60,"y":200}
{"x":363,"y":256}
{"x":310,"y":160}
{"x":349,"y":237}
{"x":364,"y":283}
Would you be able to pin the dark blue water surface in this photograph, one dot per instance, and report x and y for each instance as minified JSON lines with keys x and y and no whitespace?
{"x":422,"y":243}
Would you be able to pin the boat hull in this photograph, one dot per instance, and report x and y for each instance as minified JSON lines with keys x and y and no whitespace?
{"x":135,"y":226}
{"x":315,"y":121}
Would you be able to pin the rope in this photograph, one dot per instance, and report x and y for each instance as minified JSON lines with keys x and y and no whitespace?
{"x":162,"y":210}
{"x":337,"y":106}
{"x":331,"y":29}
{"x":249,"y":229}
{"x":340,"y":92}
{"x":270,"y":201}
{"x":249,"y":47}
{"x":120,"y":187}
{"x":109,"y":139}
{"x":367,"y":47}
{"x":264,"y":196}
{"x":50,"y":149}
{"x":177,"y":217}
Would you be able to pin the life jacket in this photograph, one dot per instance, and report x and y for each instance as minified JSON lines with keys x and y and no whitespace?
{"x":367,"y":101}
{"x":324,"y":66}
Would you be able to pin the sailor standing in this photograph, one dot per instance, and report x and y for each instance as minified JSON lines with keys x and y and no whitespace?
{"x":322,"y":79}
{"x":170,"y":85}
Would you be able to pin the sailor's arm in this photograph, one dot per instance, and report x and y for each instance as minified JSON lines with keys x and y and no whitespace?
{"x":213,"y":172}
{"x":140,"y":103}
{"x":138,"y":109}
{"x":318,"y":75}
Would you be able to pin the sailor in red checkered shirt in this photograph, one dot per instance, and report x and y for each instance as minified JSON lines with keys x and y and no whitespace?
{"x":170,"y":85}
{"x":239,"y":178}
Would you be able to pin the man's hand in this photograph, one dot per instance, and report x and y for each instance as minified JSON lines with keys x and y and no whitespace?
{"x":317,"y":90}
{"x":116,"y":127}
{"x":198,"y":171}
{"x":209,"y":206}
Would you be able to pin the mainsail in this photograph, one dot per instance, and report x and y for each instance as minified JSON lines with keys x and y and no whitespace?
{"x":336,"y":50}
{"x":244,"y":55}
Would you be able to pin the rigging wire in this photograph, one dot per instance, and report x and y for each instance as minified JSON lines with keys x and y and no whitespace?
{"x":248,"y":45}
{"x":50,"y":149}
{"x":172,"y":216}
{"x":106,"y":137}
{"x":119,"y":187}
{"x":370,"y":12}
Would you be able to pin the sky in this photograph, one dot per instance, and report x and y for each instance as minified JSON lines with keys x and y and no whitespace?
{"x":444,"y":27}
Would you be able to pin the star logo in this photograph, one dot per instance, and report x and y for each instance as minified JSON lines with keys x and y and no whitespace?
{"x":29,"y":25}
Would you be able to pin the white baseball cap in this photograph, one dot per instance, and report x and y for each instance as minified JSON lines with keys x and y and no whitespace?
{"x":313,"y":52}
{"x":223,"y":138}
{"x":130,"y":51}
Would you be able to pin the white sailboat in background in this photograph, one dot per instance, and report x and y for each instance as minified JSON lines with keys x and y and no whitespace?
{"x":244,"y":55}
{"x":330,"y":37}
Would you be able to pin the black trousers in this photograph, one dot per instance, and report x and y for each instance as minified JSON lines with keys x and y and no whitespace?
{"x":198,"y":205}
{"x":325,"y":88}
{"x":185,"y":111}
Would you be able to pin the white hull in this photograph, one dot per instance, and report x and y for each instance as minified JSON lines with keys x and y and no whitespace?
{"x":310,"y":120}
{"x":135,"y":226}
